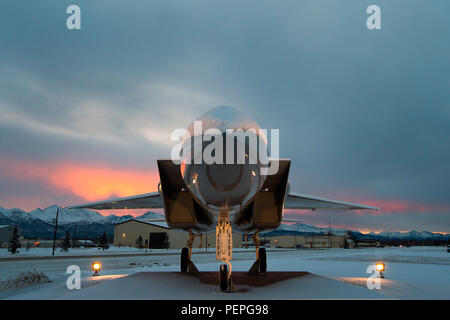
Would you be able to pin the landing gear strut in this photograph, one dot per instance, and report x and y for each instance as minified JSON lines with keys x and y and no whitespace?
{"x":260,"y":264}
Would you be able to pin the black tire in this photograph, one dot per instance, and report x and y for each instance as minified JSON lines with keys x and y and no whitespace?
{"x":223,"y":277}
{"x":262,"y":260}
{"x":184,"y":259}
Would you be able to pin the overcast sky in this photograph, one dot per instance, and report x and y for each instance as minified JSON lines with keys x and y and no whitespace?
{"x":363,"y":114}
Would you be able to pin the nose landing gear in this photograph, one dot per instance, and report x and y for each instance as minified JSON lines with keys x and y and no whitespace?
{"x":224,"y":251}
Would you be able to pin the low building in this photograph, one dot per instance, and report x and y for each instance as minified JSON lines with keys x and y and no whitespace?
{"x":158,"y":235}
{"x":292,"y":239}
{"x":6,"y":232}
{"x":45,"y":243}
{"x":367,"y":243}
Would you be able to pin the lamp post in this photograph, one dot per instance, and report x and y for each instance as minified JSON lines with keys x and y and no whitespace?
{"x":56,"y":229}
{"x":381,"y":267}
{"x":96,"y":266}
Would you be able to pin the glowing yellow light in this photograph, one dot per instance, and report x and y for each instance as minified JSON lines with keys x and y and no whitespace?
{"x":96,"y":266}
{"x":123,"y":235}
{"x":253,"y":173}
{"x":380,"y":266}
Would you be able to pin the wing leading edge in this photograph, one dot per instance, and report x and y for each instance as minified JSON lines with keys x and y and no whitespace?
{"x":143,"y":201}
{"x":304,"y":201}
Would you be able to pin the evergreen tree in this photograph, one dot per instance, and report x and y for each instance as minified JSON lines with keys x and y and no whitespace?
{"x":140,"y":242}
{"x":66,"y":242}
{"x":14,"y":242}
{"x":103,"y":242}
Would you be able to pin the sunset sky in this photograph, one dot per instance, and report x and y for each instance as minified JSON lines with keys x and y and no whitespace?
{"x":364,"y":115}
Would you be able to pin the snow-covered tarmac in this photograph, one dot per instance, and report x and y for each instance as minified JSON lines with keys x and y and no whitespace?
{"x":411,"y":273}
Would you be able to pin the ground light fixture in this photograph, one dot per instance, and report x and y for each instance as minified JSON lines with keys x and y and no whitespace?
{"x":96,"y":267}
{"x":381,"y":267}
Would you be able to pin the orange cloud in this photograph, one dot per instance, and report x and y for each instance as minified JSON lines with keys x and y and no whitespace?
{"x":90,"y":182}
{"x":400,"y":206}
{"x":99,"y":182}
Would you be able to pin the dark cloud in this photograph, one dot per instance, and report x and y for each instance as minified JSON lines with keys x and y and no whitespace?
{"x":363,"y":114}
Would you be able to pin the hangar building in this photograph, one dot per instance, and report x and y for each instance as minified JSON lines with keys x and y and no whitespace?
{"x":6,"y":232}
{"x":158,"y":235}
{"x":293,"y":239}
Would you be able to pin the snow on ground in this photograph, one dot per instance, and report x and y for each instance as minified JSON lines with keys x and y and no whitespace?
{"x":24,"y":279}
{"x":166,"y":285}
{"x":47,"y":252}
{"x":411,"y":273}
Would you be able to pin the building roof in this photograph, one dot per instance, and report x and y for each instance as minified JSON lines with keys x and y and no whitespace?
{"x":156,"y":224}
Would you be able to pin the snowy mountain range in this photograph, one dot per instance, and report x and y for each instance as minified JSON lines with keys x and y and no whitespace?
{"x":308,"y":228}
{"x":84,"y":223}
{"x":48,"y":215}
{"x":39,"y":223}
{"x":410,"y":235}
{"x":302,"y":228}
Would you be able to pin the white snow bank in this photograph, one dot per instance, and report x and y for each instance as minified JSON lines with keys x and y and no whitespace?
{"x":24,"y":279}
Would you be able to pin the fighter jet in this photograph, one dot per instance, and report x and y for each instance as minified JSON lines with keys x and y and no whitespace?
{"x":229,"y":186}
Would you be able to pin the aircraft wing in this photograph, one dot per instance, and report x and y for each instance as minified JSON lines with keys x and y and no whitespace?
{"x":291,"y":220}
{"x":143,"y":201}
{"x":304,"y":201}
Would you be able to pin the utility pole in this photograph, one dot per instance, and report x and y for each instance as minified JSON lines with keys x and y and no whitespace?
{"x":74,"y":240}
{"x":329,"y":234}
{"x":56,"y":229}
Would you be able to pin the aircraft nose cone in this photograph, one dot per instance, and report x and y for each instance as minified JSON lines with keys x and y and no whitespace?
{"x":224,"y":177}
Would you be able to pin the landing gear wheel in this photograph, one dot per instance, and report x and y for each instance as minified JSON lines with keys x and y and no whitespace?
{"x":184,"y":260}
{"x":223,"y":277}
{"x":262,"y":260}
